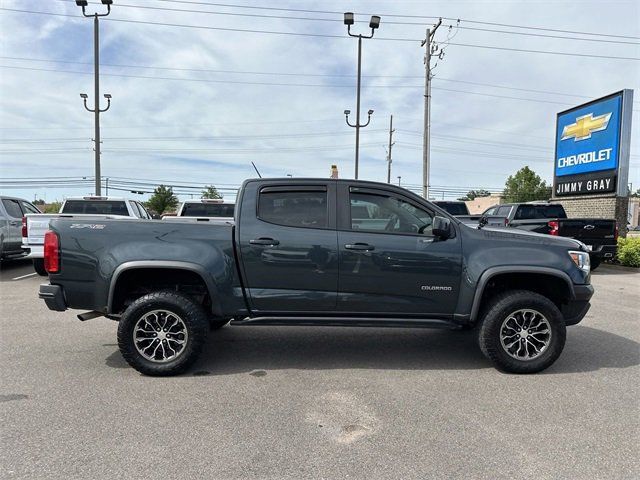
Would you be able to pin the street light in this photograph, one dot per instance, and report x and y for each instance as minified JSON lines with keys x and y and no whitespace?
{"x":96,"y":110}
{"x":374,"y":24}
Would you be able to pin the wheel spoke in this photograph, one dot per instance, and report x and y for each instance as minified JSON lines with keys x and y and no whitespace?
{"x":525,"y":334}
{"x":169,"y":336}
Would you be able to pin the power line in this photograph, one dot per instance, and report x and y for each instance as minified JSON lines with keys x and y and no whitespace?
{"x":244,"y":72}
{"x":385,"y":15}
{"x":237,"y":82}
{"x":300,"y":34}
{"x":336,"y":20}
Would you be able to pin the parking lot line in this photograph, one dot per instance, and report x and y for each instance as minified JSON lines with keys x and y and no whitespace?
{"x":24,"y":276}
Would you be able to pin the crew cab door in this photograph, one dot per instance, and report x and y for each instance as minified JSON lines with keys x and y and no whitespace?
{"x":389,"y":260}
{"x":288,"y":246}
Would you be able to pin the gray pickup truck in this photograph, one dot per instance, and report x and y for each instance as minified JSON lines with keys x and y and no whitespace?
{"x":319,"y":252}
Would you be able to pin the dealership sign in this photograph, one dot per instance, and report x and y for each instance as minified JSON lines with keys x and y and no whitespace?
{"x":592,"y":147}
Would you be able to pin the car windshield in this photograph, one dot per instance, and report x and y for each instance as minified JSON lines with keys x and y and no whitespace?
{"x":208,"y":210}
{"x":96,"y":207}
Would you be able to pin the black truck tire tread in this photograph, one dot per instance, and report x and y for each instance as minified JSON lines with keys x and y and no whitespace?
{"x":38,"y":266}
{"x":489,"y":333}
{"x":190,"y":312}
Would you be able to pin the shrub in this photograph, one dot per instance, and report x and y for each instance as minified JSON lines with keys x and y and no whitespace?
{"x":629,"y":251}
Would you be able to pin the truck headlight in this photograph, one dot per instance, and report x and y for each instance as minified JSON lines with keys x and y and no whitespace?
{"x":581,"y":259}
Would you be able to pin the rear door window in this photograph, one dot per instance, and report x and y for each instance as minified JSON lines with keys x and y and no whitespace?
{"x":28,"y":208}
{"x":503,"y":211}
{"x":12,"y":207}
{"x":305,"y":208}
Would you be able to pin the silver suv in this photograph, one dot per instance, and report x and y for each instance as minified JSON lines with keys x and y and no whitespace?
{"x":11,"y":212}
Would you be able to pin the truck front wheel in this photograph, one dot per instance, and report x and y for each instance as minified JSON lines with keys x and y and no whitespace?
{"x":162,"y":333}
{"x":522,"y":332}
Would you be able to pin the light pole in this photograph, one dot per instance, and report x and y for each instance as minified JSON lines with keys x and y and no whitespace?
{"x":96,"y":73}
{"x":373,"y":24}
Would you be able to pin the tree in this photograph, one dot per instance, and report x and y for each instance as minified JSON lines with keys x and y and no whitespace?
{"x":636,"y":194}
{"x":473,"y":194}
{"x":210,"y":192}
{"x":38,"y":202}
{"x":53,"y":207}
{"x":526,"y":186}
{"x":162,"y":200}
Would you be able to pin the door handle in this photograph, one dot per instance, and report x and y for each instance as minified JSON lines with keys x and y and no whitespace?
{"x":362,"y":247}
{"x":13,"y":223}
{"x":270,"y":242}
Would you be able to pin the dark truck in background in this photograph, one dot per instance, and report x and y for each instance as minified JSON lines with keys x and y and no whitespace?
{"x":599,"y":235}
{"x":319,"y":252}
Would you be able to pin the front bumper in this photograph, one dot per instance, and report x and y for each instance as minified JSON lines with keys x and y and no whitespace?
{"x":53,"y":296}
{"x":576,"y":309}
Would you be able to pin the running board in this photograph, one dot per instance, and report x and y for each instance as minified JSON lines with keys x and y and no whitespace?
{"x":348,"y":322}
{"x":83,"y":317}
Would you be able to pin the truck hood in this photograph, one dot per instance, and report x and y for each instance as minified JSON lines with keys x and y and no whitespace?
{"x":539,"y":238}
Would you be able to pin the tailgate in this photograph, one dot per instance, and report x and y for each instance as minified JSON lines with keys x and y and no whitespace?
{"x":591,"y":231}
{"x":37,"y":226}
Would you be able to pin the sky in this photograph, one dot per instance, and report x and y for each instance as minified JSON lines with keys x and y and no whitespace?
{"x":196,"y":104}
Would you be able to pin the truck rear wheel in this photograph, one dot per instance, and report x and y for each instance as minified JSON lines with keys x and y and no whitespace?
{"x":522,"y":332}
{"x":162,"y":333}
{"x":38,"y":266}
{"x":595,"y":262}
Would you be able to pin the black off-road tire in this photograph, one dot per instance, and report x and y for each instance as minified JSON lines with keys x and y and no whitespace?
{"x":595,"y":262}
{"x":194,"y":318}
{"x":503,"y":305}
{"x":38,"y":266}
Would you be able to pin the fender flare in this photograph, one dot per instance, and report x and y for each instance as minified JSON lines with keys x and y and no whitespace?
{"x":494,"y":271}
{"x":166,"y":264}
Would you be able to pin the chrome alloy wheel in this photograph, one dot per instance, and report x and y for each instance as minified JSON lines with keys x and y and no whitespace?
{"x":525,"y":334}
{"x":160,"y":336}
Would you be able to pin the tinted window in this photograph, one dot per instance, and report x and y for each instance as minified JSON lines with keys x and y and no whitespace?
{"x":295,"y":209}
{"x":12,"y":207}
{"x":208,"y":210}
{"x":491,"y":211}
{"x":528,"y":212}
{"x":503,"y":211}
{"x":387,"y":214}
{"x":96,"y":207}
{"x":28,"y":208}
{"x":454,"y":208}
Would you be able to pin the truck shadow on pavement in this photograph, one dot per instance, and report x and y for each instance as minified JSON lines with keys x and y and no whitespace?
{"x":234,"y":350}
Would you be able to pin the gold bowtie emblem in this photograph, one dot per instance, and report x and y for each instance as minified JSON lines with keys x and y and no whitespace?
{"x":585,"y":126}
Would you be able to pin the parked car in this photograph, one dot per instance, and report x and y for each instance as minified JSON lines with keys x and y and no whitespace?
{"x":300,"y":254}
{"x":34,"y":225}
{"x":12,"y":210}
{"x":211,"y":210}
{"x":599,"y":235}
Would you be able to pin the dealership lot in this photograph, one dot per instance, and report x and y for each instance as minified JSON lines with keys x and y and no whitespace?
{"x":288,"y":402}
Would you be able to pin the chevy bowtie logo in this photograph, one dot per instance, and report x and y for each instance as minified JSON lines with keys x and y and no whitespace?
{"x":585,"y":126}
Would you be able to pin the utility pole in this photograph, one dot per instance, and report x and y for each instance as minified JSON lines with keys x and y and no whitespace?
{"x":96,"y":110}
{"x":427,"y":108}
{"x":391,"y":144}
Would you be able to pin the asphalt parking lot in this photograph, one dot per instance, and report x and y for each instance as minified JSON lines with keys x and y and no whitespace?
{"x":333,"y":403}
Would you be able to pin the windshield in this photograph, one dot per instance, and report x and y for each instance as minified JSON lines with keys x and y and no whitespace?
{"x":208,"y":210}
{"x":96,"y":207}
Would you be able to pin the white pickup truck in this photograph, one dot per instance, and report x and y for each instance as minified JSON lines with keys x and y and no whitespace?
{"x":35,"y":225}
{"x":209,"y":210}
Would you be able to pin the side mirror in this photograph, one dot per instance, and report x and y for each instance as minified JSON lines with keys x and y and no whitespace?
{"x":483,"y":221}
{"x":441,"y":227}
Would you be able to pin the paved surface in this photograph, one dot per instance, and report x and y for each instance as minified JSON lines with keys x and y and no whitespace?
{"x":295,"y":403}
